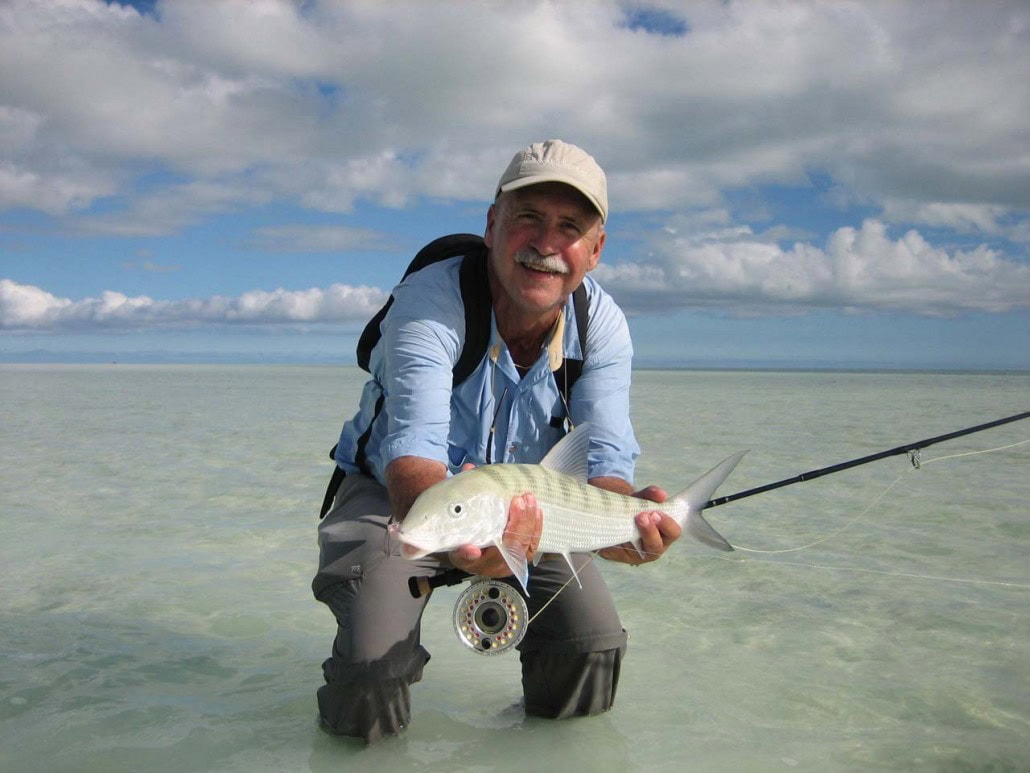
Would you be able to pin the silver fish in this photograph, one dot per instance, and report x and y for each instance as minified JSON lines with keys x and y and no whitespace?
{"x":471,"y":508}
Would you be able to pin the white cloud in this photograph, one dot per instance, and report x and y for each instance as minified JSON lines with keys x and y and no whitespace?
{"x":25,"y":307}
{"x":984,"y":219}
{"x":858,"y":269}
{"x":55,"y":192}
{"x":326,"y":102}
{"x":135,"y":126}
{"x":170,"y":208}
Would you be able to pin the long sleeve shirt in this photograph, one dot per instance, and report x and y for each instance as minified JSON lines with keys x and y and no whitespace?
{"x":495,"y":415}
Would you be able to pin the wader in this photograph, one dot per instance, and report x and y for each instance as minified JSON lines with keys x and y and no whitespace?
{"x":570,"y":655}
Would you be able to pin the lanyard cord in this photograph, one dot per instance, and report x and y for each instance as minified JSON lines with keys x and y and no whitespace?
{"x":495,"y":352}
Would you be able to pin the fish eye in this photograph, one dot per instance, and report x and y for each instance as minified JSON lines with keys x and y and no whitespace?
{"x":456,"y":510}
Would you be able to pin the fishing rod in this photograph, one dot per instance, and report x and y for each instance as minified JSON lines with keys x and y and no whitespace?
{"x":908,"y":448}
{"x":420,"y":586}
{"x":490,"y":617}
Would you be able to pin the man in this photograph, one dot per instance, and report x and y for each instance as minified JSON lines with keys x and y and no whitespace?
{"x":544,"y":233}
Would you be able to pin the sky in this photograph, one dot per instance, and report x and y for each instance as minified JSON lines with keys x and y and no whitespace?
{"x":792,"y":184}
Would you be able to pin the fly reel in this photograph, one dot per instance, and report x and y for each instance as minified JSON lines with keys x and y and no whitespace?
{"x":490,"y":617}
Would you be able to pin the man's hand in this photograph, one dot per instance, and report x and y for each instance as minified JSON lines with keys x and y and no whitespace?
{"x":657,"y":532}
{"x":525,"y":523}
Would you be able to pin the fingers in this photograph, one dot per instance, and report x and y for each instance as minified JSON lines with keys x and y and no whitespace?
{"x":524,"y":527}
{"x":525,"y":524}
{"x":653,"y":493}
{"x":657,"y":531}
{"x":465,"y":555}
{"x":474,"y":560}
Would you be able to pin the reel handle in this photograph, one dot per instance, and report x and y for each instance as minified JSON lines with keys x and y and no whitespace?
{"x":421,"y":586}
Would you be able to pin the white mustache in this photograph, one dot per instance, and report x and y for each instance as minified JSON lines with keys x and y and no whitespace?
{"x":551,"y":263}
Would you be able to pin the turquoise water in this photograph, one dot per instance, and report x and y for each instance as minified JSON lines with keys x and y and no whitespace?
{"x":157,"y":538}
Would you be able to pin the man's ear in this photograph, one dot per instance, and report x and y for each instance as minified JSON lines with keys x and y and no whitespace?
{"x":595,"y":256}
{"x":491,"y":217}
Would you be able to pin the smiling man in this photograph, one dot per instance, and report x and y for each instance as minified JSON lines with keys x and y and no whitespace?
{"x":415,"y":426}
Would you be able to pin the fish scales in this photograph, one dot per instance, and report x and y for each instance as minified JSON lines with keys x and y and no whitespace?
{"x":577,"y":516}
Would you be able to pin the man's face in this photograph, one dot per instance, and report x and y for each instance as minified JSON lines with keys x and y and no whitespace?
{"x":543,"y":239}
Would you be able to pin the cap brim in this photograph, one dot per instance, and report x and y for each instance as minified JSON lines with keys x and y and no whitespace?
{"x":525,"y":182}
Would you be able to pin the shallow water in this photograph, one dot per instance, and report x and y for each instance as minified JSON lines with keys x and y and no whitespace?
{"x":157,"y":534}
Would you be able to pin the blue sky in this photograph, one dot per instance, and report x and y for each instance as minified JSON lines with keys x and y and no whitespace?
{"x":792,"y":184}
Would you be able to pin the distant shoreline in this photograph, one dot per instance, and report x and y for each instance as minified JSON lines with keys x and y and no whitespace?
{"x":637,"y":368}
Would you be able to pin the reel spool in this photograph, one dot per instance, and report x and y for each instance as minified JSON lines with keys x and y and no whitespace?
{"x":490,"y":617}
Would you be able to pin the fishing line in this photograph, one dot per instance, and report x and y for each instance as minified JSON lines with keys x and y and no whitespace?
{"x":831,"y":535}
{"x":911,"y":449}
{"x":916,"y":464}
{"x":482,"y":635}
{"x":567,"y":583}
{"x":912,"y":575}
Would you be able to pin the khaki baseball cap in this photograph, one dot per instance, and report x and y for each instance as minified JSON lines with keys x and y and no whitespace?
{"x":559,"y":162}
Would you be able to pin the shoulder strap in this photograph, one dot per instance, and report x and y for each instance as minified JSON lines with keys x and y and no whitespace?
{"x":571,"y":369}
{"x":439,"y":249}
{"x":475,"y":295}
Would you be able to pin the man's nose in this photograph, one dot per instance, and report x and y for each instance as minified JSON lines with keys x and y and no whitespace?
{"x":548,"y":238}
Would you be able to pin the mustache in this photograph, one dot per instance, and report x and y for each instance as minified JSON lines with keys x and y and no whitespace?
{"x":550,"y":263}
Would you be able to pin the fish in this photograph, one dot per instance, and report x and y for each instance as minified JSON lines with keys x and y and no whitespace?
{"x":471,"y":508}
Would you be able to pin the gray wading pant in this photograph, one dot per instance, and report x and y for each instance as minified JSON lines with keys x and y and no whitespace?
{"x":570,"y":655}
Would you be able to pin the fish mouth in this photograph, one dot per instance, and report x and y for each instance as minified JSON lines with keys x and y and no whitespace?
{"x":412,"y":552}
{"x":409,"y":549}
{"x":544,"y":264}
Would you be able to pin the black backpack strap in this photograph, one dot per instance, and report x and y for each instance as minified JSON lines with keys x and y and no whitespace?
{"x":439,"y":249}
{"x":360,"y":458}
{"x":475,"y":295}
{"x":330,"y":491}
{"x":571,"y":368}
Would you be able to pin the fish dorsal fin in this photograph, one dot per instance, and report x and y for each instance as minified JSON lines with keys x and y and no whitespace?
{"x":569,"y":455}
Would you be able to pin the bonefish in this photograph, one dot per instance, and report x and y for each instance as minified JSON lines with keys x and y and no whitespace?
{"x":471,"y":508}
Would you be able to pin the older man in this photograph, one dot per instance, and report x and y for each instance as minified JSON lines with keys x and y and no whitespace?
{"x":415,"y":426}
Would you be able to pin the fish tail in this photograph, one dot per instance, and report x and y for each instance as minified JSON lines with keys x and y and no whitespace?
{"x":697,"y":495}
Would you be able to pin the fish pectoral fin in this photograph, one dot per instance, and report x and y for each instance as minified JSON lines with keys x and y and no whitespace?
{"x":572,"y":566}
{"x":516,"y":561}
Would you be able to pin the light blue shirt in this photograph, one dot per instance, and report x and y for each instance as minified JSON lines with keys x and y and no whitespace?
{"x":421,"y":415}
